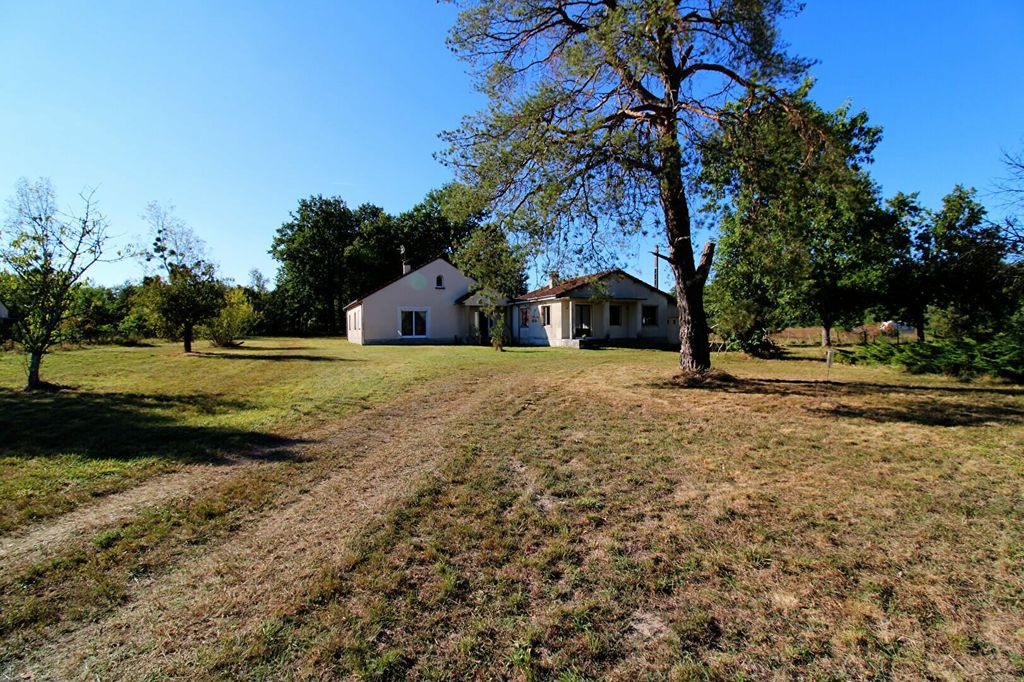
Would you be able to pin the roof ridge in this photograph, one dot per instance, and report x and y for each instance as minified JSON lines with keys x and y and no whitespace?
{"x":571,"y":283}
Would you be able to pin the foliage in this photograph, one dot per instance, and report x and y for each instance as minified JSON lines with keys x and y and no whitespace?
{"x":430,"y":229}
{"x":48,"y":252}
{"x":190,"y":292}
{"x":1000,"y":356}
{"x":495,"y":264}
{"x":259,"y":296}
{"x":595,"y":113}
{"x":235,"y":320}
{"x":331,"y":255}
{"x":951,"y":259}
{"x":311,"y":249}
{"x":802,"y":234}
{"x":141,"y":319}
{"x":499,"y":270}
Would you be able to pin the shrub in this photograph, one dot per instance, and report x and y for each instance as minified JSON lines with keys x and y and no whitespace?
{"x":235,"y":320}
{"x":1002,"y":356}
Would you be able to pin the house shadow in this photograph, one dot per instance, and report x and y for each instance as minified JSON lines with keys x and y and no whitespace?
{"x":920,"y":404}
{"x":129,"y":426}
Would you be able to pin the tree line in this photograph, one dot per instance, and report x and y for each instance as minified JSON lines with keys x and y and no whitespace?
{"x":806,"y":237}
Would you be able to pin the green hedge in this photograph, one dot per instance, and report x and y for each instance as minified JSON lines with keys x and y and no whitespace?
{"x":1002,"y":356}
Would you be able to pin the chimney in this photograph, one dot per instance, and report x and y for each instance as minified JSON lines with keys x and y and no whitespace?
{"x":553,"y":278}
{"x":406,"y":268}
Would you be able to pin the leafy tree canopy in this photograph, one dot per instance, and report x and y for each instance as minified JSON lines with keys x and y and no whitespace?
{"x":189,"y":291}
{"x":595,"y":115}
{"x":803,"y":233}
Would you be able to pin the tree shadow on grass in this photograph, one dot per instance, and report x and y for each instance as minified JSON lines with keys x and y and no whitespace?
{"x":808,"y":387}
{"x":926,"y":413}
{"x":283,"y":357}
{"x":790,"y":356}
{"x":920,"y":404}
{"x":129,"y":425}
{"x":244,"y":347}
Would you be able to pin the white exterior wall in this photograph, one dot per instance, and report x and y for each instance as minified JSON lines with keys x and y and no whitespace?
{"x":538,"y":334}
{"x":625,"y":292}
{"x":3,"y":312}
{"x":380,"y":312}
{"x":353,"y":323}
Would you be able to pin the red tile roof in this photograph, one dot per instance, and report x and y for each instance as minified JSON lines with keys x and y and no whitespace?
{"x":565,"y":286}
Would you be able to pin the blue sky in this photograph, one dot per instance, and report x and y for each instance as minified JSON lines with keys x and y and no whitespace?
{"x":232,"y":111}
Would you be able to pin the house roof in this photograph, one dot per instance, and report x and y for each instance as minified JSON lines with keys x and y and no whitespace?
{"x":472,"y":297}
{"x":566,"y":287}
{"x":359,"y":300}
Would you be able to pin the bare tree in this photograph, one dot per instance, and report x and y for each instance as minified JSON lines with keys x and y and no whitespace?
{"x":1011,"y":188}
{"x":48,"y":252}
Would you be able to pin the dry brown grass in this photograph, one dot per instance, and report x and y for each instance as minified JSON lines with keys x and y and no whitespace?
{"x":580,"y":516}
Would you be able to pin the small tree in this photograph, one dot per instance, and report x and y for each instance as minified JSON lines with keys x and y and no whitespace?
{"x":499,"y":269}
{"x":191,"y":292}
{"x":49,"y":253}
{"x":235,"y":320}
{"x":803,"y":235}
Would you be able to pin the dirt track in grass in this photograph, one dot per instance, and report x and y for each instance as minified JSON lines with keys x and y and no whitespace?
{"x":379,"y":458}
{"x":578,"y":516}
{"x":45,"y":539}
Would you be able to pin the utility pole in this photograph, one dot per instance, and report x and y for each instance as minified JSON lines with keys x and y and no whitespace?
{"x":657,"y":254}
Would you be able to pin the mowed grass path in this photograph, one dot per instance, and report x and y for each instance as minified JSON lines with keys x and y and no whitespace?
{"x":126,"y":414}
{"x":454,"y":513}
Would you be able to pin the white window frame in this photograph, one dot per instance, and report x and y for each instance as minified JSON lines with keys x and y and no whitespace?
{"x":545,"y":315}
{"x":413,"y":309}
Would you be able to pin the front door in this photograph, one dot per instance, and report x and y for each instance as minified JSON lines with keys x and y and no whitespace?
{"x":483,"y":323}
{"x":582,"y":320}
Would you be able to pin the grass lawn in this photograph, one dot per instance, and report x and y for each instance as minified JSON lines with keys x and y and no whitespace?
{"x":451,"y":512}
{"x":129,"y":413}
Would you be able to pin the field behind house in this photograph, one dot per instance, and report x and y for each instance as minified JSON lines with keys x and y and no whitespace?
{"x":304,"y":508}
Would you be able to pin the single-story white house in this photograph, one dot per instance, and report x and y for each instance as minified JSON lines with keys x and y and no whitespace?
{"x":610,"y":306}
{"x":435,"y":303}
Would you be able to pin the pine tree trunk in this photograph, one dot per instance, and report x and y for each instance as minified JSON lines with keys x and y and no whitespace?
{"x":919,"y":325}
{"x":34,"y":361}
{"x":694,"y":350}
{"x":188,"y":338}
{"x":826,"y":336}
